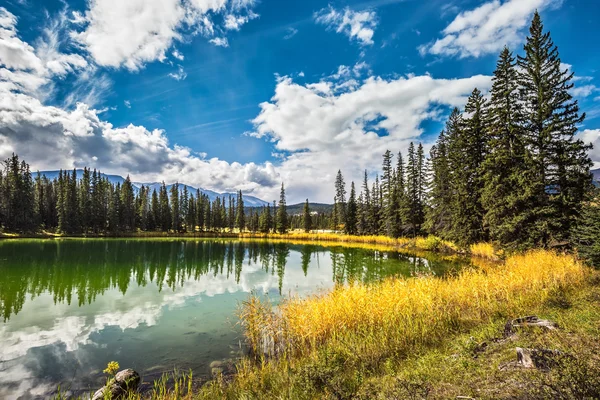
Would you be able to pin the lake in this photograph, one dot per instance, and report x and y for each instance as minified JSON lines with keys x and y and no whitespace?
{"x":69,"y":306}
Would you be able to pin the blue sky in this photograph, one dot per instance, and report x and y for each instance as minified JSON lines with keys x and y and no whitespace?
{"x":244,"y":94}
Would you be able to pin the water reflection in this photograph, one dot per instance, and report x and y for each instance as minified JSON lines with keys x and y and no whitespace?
{"x":70,"y":306}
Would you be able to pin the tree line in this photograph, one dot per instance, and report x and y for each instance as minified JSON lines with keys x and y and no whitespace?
{"x":508,"y":169}
{"x":91,"y":204}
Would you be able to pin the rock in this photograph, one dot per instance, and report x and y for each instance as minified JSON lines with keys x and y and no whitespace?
{"x":124,"y":381}
{"x":216,"y":371}
{"x":217,"y":364}
{"x":528,"y":322}
{"x":542,"y":359}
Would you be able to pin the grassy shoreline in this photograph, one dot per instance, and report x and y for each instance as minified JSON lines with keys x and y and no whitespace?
{"x":421,"y":338}
{"x":378,"y":242}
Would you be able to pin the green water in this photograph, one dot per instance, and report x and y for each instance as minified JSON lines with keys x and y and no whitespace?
{"x":68,"y":307}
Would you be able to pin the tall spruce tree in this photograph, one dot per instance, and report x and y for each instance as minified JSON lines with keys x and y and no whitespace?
{"x":340,"y":197}
{"x":506,"y":169}
{"x":282,"y":217}
{"x":175,"y":211}
{"x":351,"y":212}
{"x":560,"y":161}
{"x":240,"y":217}
{"x":307,"y":219}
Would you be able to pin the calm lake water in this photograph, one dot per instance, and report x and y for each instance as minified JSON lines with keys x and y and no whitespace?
{"x":68,"y":307}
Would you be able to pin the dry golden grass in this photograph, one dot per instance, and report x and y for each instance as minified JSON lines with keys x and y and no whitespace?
{"x":430,"y":243}
{"x":410,"y":312}
{"x":485,"y":250}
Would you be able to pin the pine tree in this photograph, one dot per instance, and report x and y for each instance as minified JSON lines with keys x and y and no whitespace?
{"x":175,"y":211}
{"x":340,"y":199}
{"x":128,"y":211}
{"x":240,"y":217}
{"x":560,"y":162}
{"x":587,"y":234}
{"x":351,"y":212}
{"x":364,"y":226}
{"x":266,"y":220}
{"x":439,"y":219}
{"x":114,"y":212}
{"x":470,"y":141}
{"x":282,"y":217}
{"x":506,"y":168}
{"x":306,"y":218}
{"x":85,"y":200}
{"x":154,"y":216}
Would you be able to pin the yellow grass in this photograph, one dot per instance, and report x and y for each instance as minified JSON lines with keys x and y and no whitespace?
{"x":485,"y":250}
{"x":430,"y":243}
{"x":403,"y":313}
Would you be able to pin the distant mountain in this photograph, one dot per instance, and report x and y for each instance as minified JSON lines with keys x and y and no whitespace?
{"x":249,"y":201}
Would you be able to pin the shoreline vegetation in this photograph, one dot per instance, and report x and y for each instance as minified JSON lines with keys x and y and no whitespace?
{"x":421,"y":338}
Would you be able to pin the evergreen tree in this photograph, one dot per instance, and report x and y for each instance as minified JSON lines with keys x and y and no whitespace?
{"x":266,"y":220}
{"x":560,"y":162}
{"x":307,"y":218}
{"x":114,"y":212}
{"x":506,"y":168}
{"x":282,"y":217}
{"x":439,"y":218}
{"x":128,"y":212}
{"x":154,"y":216}
{"x":351,"y":212}
{"x":165,"y":209}
{"x":587,"y":234}
{"x":240,"y":217}
{"x":175,"y":212}
{"x":364,"y":226}
{"x":340,"y":197}
{"x":85,"y":201}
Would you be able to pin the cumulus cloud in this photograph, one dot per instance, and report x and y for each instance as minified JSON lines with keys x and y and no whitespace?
{"x":359,"y":26}
{"x":323,"y":130}
{"x":131,"y":33}
{"x":28,"y":69}
{"x":220,"y":42}
{"x":487,"y":28}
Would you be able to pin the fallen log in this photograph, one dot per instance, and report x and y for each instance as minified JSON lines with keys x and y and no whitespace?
{"x":124,"y":381}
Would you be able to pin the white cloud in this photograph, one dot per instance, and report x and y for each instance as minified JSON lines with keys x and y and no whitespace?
{"x":592,"y":136}
{"x":178,"y":55}
{"x":358,"y":26}
{"x":487,"y":28}
{"x":235,"y":22}
{"x":127,"y":103}
{"x":30,"y":69}
{"x":322,"y":130}
{"x":131,"y":33}
{"x":220,"y":41}
{"x":180,"y":75}
{"x":291,"y":32}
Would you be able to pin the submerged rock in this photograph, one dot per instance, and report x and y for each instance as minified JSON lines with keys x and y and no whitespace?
{"x":124,"y":381}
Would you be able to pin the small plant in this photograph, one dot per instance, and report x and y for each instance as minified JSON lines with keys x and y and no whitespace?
{"x":112,"y":368}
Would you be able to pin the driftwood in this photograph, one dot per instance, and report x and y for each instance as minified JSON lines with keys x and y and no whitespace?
{"x":124,"y":381}
{"x":528,"y":322}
